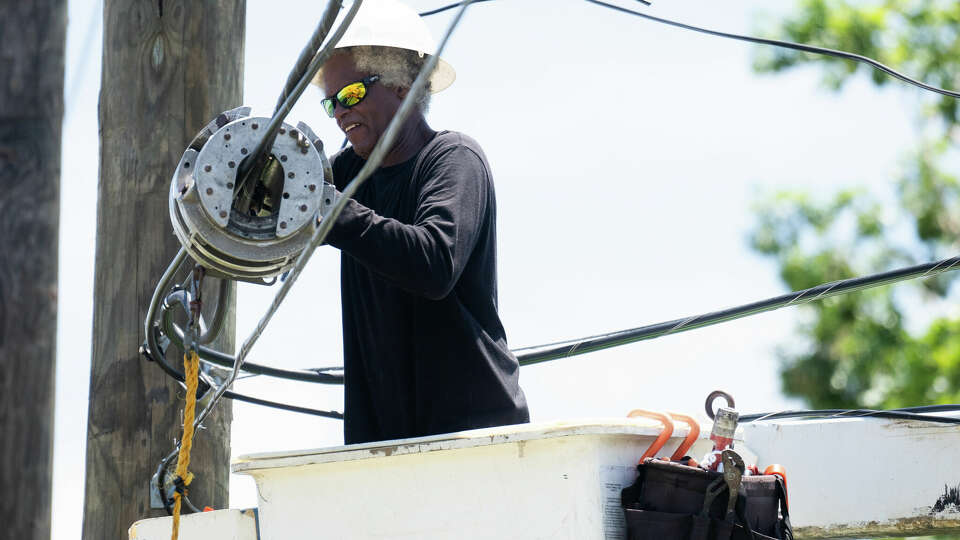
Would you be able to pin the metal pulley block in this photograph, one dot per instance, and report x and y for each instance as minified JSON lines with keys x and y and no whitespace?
{"x":258,"y":231}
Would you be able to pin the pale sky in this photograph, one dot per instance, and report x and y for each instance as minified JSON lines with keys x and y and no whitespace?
{"x":626,"y":156}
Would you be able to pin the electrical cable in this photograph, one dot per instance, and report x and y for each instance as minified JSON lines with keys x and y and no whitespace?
{"x":219,"y":314}
{"x":455,"y":4}
{"x":931,"y":408}
{"x":258,"y":157}
{"x":786,"y":44}
{"x":762,"y":41}
{"x":205,"y":385}
{"x":909,"y":413}
{"x":445,"y":8}
{"x":175,"y":334}
{"x":308,"y":52}
{"x":151,"y":349}
{"x":564,"y":349}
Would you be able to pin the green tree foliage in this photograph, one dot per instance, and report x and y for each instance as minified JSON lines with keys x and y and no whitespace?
{"x":857,"y":350}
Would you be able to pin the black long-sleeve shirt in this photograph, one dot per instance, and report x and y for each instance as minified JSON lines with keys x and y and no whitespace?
{"x":424,"y":349}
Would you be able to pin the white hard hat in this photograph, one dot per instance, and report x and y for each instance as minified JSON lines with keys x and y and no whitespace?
{"x":390,"y":23}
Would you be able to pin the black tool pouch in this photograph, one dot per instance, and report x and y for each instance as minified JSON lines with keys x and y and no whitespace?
{"x":666,"y":503}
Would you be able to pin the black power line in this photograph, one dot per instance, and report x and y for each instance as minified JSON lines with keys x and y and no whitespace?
{"x":762,"y":41}
{"x":563,"y":349}
{"x":788,"y":45}
{"x":908,"y":413}
{"x":553,"y":351}
{"x":446,"y":7}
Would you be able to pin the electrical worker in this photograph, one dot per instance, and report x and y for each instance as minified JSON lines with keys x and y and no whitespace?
{"x":424,"y":349}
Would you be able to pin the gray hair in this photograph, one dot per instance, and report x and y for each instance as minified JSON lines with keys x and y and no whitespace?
{"x":398,"y":68}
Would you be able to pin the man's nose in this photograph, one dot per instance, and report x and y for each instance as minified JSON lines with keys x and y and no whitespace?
{"x":338,"y":110}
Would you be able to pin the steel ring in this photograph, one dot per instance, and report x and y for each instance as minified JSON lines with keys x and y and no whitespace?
{"x":713,"y":396}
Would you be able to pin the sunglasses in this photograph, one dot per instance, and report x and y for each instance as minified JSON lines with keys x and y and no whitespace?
{"x":349,"y":95}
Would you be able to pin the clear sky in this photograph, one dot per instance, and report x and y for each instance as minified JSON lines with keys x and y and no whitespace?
{"x":626,"y":156}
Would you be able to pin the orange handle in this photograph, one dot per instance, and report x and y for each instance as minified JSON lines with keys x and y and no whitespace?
{"x":691,"y":436}
{"x":664,"y":435}
{"x":780,"y":471}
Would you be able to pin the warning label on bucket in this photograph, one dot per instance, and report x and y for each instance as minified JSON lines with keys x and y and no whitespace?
{"x":613,"y":478}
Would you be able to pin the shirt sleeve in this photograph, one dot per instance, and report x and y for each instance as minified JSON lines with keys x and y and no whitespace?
{"x":427,"y":256}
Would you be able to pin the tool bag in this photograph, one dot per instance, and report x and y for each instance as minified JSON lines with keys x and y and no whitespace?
{"x":667,"y":502}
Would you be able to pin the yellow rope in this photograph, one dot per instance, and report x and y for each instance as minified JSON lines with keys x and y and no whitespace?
{"x":191,"y":369}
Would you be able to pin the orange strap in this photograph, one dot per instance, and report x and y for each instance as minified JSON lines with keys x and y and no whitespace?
{"x":691,"y":436}
{"x":662,"y":437}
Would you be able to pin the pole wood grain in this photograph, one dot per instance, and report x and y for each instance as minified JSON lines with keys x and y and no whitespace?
{"x":169,"y":67}
{"x":31,"y":112}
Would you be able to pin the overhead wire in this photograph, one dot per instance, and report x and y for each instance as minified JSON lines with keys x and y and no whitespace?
{"x":762,"y":41}
{"x":178,"y":376}
{"x":446,"y":7}
{"x":786,"y":44}
{"x":297,"y":81}
{"x":908,"y":413}
{"x":175,"y":334}
{"x":564,"y":349}
{"x":542,"y":353}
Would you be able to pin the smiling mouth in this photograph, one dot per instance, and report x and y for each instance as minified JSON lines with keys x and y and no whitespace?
{"x":351,"y":126}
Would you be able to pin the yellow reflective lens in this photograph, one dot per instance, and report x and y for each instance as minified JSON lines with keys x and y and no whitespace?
{"x":351,"y":94}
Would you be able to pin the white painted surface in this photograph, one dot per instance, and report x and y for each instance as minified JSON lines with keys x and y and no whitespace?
{"x":557,"y":480}
{"x":216,"y":525}
{"x":846,"y":477}
{"x":862,"y":475}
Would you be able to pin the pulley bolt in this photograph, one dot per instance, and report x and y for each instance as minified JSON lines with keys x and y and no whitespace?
{"x":208,"y":168}
{"x":243,"y":151}
{"x":226,"y":137}
{"x":283,"y":224}
{"x":290,"y":175}
{"x":303,"y":208}
{"x":313,"y":187}
{"x":282,"y":131}
{"x":255,"y":126}
{"x":283,"y":157}
{"x":223,"y":213}
{"x":209,"y":191}
{"x":232,"y":164}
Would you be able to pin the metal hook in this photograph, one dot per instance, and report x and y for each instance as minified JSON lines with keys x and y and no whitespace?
{"x":713,"y":396}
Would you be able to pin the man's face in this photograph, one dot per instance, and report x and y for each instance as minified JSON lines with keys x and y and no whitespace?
{"x":365,"y":122}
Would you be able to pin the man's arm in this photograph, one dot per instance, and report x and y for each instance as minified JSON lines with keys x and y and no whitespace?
{"x":427,"y":256}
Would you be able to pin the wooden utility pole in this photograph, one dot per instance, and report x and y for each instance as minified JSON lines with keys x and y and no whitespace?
{"x":31,"y":112}
{"x":169,"y":67}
